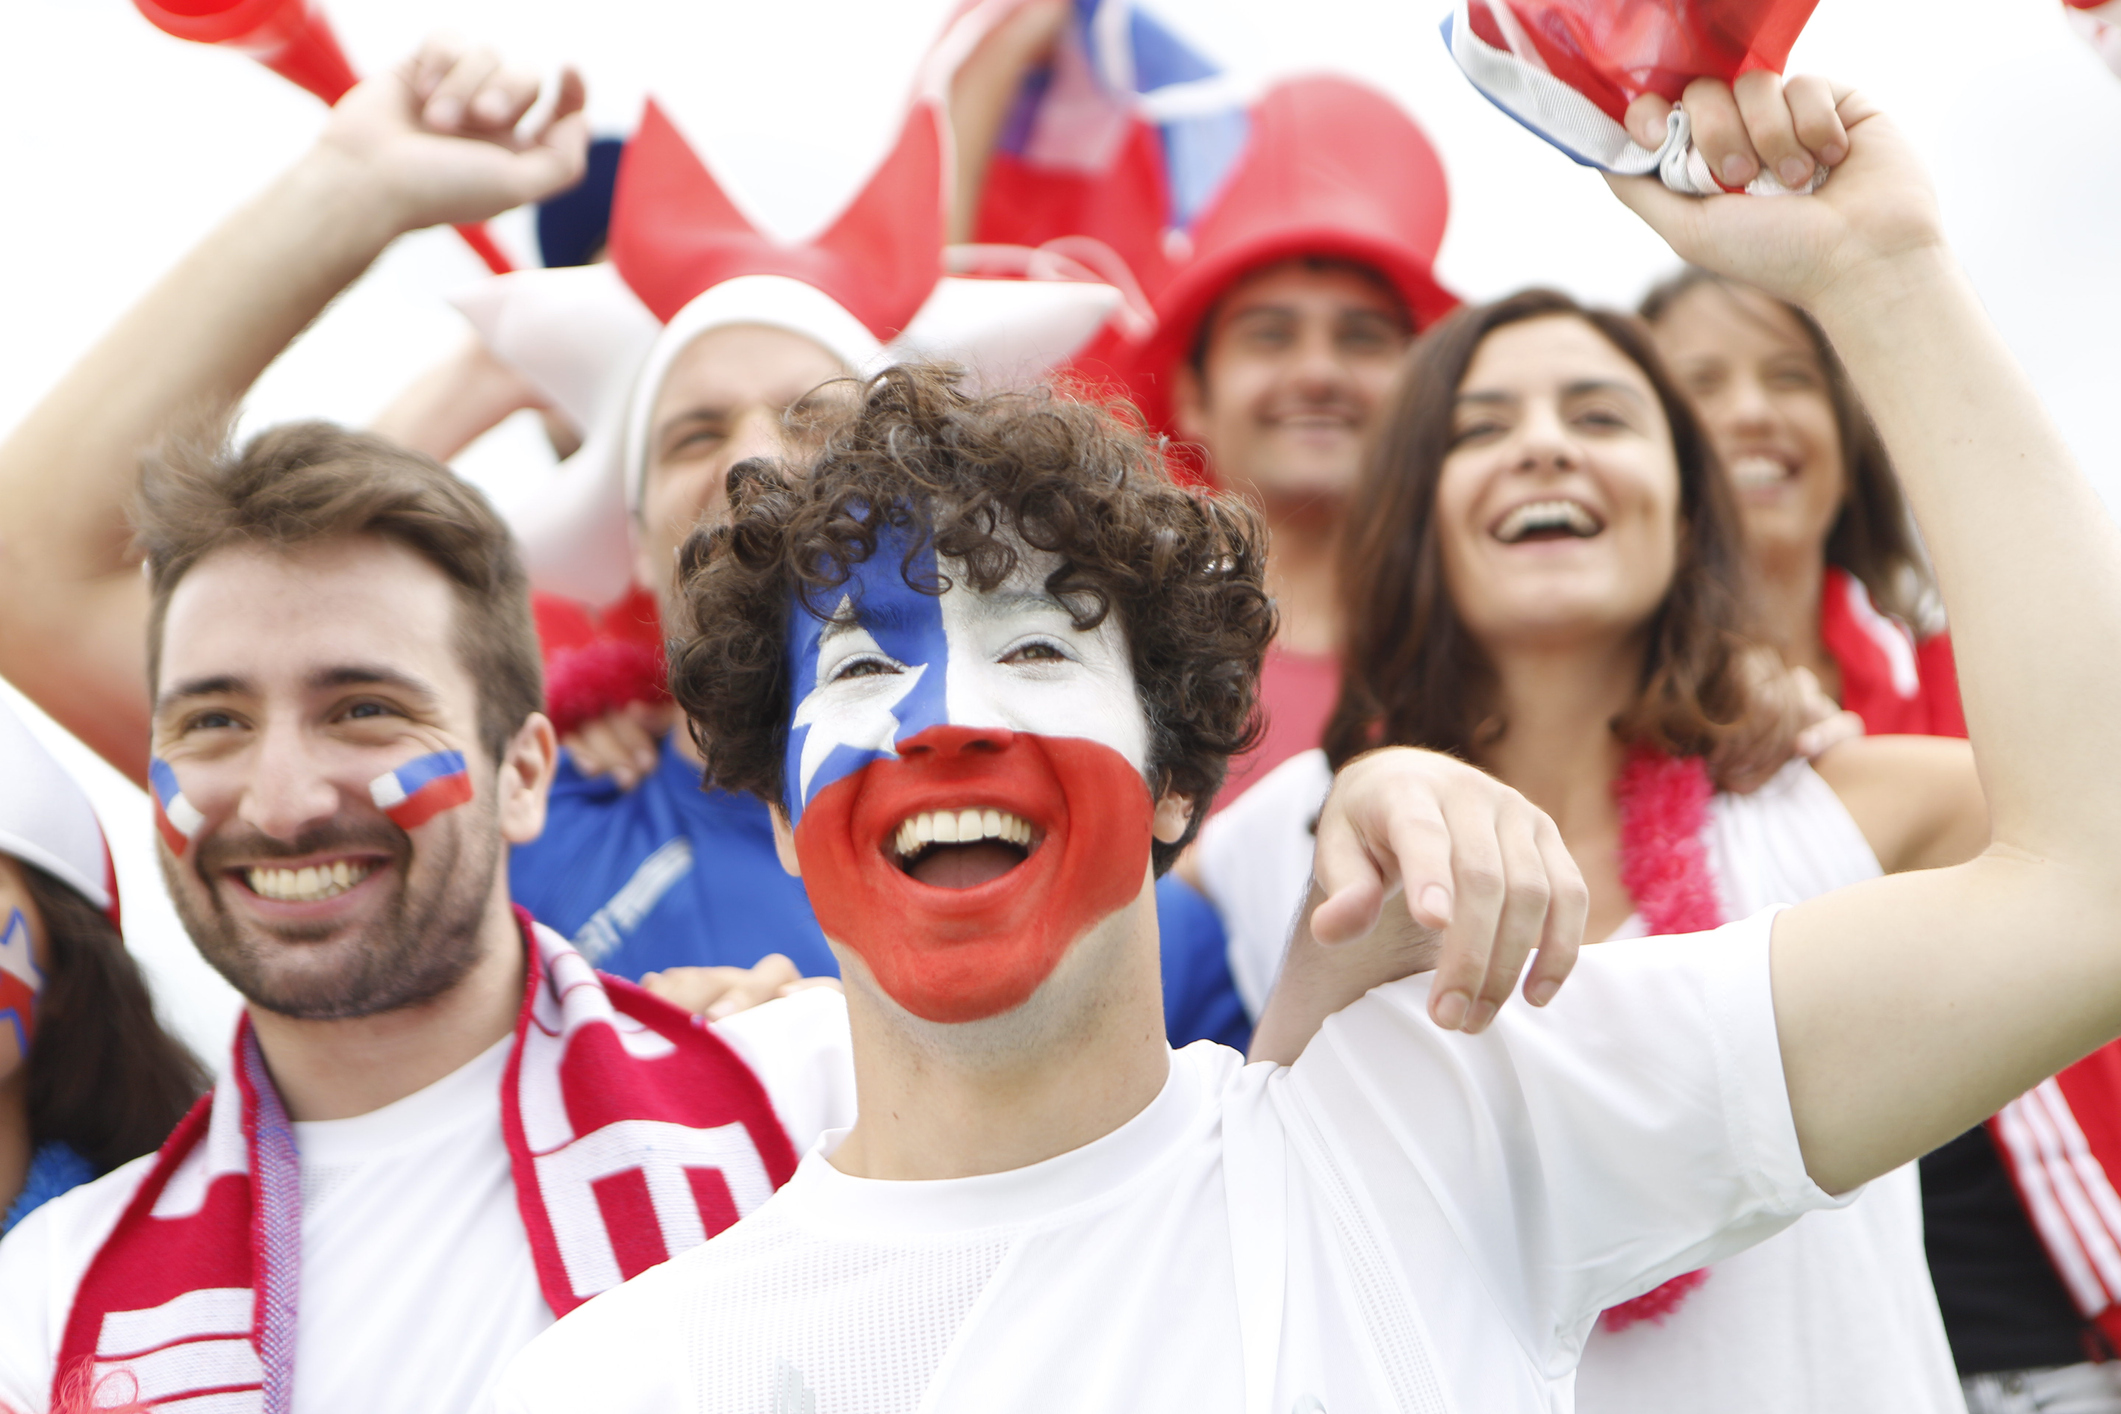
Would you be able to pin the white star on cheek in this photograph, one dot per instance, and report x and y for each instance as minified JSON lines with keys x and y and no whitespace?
{"x":865,"y":723}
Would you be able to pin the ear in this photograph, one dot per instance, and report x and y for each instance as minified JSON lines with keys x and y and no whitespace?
{"x":525,"y":778}
{"x":784,"y":841}
{"x":1189,"y":402}
{"x":1174,"y":813}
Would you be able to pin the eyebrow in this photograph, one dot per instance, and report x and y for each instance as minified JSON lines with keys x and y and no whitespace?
{"x":1576,"y":389}
{"x":323,"y":680}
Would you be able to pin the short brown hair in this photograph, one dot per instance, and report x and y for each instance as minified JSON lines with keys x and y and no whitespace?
{"x":970,"y":475}
{"x":304,"y":482}
{"x":1412,"y":674}
{"x":1873,"y":536}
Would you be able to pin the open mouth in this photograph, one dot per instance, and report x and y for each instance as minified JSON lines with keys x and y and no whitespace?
{"x":312,"y":883}
{"x":1556,"y":519}
{"x":962,"y":849}
{"x":1758,"y":471}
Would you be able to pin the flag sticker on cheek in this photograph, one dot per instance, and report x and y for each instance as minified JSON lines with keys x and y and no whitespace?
{"x":422,"y":788}
{"x":177,"y":818}
{"x":20,"y":983}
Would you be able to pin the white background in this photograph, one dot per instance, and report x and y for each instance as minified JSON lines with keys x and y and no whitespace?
{"x":123,"y":146}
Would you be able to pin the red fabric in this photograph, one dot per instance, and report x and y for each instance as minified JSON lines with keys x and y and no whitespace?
{"x":1296,"y":693}
{"x":596,"y":663}
{"x":1125,"y":207}
{"x":2061,"y":1144}
{"x":597,"y":1064}
{"x":1613,"y":54}
{"x":1894,"y":683}
{"x":675,"y":234}
{"x":597,"y":679}
{"x":1664,"y":864}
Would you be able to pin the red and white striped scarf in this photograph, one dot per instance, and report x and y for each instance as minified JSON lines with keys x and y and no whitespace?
{"x":2061,"y":1144}
{"x":634,"y":1134}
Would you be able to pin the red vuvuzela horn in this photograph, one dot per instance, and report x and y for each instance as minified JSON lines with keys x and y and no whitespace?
{"x":294,"y":40}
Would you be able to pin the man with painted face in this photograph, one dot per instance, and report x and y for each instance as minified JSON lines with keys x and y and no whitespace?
{"x":986,"y":664}
{"x":438,"y":1127}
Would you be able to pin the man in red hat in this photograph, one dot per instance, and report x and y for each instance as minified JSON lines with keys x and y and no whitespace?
{"x":1278,"y":340}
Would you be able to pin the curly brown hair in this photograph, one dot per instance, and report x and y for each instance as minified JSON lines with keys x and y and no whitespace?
{"x":1413,"y":676}
{"x":974,"y":477}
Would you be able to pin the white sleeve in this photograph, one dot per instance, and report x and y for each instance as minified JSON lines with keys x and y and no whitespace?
{"x":800,"y":1049}
{"x":1255,"y":867}
{"x":42,"y":1261}
{"x":28,"y":1344}
{"x":1637,"y":1128}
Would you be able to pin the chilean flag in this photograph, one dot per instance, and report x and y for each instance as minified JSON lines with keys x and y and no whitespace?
{"x":1125,"y":137}
{"x":20,"y":981}
{"x":422,"y":788}
{"x":177,"y":818}
{"x":1568,"y":69}
{"x":994,"y":708}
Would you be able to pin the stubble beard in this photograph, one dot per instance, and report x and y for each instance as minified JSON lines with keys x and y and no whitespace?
{"x":420,"y":945}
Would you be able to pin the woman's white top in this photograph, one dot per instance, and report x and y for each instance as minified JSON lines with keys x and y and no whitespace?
{"x":1836,"y":1314}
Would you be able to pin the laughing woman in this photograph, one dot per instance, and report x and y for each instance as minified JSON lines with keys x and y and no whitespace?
{"x":1545,"y":576}
{"x":1840,"y":583}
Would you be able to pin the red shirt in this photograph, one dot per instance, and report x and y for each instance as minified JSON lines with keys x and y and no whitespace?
{"x":1896,"y":684}
{"x":1296,"y":692}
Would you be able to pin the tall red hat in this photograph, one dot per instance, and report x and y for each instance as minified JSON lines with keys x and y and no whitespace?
{"x":1332,"y":168}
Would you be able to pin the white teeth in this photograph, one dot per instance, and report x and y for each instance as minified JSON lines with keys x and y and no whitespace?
{"x":1556,"y":514}
{"x":1758,"y":471}
{"x":960,"y":827}
{"x":307,"y":885}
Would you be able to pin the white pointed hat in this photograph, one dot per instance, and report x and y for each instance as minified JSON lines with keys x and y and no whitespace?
{"x":46,"y":819}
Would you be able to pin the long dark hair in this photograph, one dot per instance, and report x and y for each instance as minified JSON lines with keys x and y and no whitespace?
{"x":104,"y":1078}
{"x":1873,"y":537}
{"x":1413,"y":676}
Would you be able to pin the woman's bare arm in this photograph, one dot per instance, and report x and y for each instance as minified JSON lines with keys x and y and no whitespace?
{"x":1917,"y":799}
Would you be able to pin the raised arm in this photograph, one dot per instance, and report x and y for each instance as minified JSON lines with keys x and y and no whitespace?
{"x":1914,"y":1006}
{"x":433,"y":141}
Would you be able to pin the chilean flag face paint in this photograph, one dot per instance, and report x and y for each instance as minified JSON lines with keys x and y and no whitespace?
{"x":20,"y":983}
{"x":177,"y":818}
{"x":964,"y":773}
{"x":422,"y":788}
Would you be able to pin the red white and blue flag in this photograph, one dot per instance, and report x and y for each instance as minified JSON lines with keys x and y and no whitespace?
{"x":1568,"y":69}
{"x":1125,"y":136}
{"x":965,"y":775}
{"x":422,"y":788}
{"x":177,"y":818}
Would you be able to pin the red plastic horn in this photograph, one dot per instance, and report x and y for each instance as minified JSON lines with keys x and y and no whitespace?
{"x":294,"y":40}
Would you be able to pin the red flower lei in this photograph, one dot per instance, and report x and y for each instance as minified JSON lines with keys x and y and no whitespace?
{"x":1664,"y":804}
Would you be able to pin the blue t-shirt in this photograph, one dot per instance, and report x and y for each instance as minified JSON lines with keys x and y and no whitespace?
{"x":669,"y":875}
{"x":664,"y":875}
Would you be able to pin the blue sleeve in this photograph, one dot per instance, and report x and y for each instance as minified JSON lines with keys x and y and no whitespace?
{"x":1200,"y":999}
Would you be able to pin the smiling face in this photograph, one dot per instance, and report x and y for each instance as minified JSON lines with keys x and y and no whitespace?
{"x":1558,"y":506}
{"x":1752,"y":368}
{"x":965,"y":779}
{"x":1299,"y":363}
{"x":743,"y":390}
{"x":335,"y":826}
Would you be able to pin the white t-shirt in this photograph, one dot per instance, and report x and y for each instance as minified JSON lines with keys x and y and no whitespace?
{"x":1406,"y":1219}
{"x":1835,"y":1316}
{"x":417,"y":1281}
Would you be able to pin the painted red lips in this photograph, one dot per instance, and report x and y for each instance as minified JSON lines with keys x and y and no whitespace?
{"x":956,"y":954}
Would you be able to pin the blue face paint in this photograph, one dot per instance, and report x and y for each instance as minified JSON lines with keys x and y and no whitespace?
{"x":878,"y":627}
{"x":20,"y":982}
